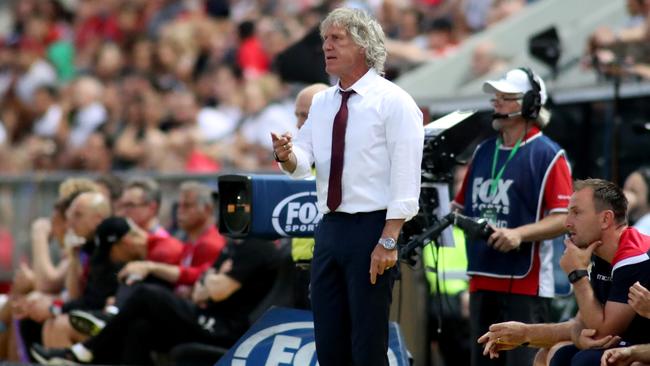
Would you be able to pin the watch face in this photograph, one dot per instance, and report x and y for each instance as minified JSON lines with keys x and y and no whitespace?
{"x":388,"y":243}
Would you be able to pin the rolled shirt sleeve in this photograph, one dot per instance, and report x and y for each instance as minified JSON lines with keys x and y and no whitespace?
{"x":405,"y":140}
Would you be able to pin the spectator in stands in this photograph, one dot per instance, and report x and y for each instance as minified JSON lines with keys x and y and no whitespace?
{"x":140,"y":136}
{"x":264,"y":111}
{"x":621,"y":52}
{"x":90,"y":113}
{"x":203,"y":243}
{"x":251,"y":57}
{"x":155,"y":320}
{"x":190,"y":125}
{"x":597,"y":225}
{"x":637,"y":192}
{"x":110,"y":63}
{"x":35,"y":70}
{"x":47,"y":111}
{"x":485,"y":60}
{"x":440,"y":42}
{"x":502,"y":9}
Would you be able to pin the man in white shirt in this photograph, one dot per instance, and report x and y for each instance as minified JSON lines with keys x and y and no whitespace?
{"x":365,"y":137}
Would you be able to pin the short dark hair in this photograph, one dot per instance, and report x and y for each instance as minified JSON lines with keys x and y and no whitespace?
{"x":441,"y":25}
{"x":114,"y":184}
{"x":607,"y":196}
{"x":149,"y":187}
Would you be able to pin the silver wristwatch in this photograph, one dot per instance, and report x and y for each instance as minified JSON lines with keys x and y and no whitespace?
{"x":388,"y":243}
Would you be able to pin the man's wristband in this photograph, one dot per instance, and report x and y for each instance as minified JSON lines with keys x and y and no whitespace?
{"x":577,"y":274}
{"x":275,"y":156}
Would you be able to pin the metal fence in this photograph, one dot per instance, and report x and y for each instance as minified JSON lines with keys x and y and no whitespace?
{"x":26,"y":197}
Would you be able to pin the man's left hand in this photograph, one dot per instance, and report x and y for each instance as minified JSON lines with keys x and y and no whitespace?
{"x":505,"y":240}
{"x":639,"y":299}
{"x":381,"y":259}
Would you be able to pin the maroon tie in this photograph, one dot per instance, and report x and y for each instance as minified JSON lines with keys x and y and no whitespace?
{"x":338,"y":146}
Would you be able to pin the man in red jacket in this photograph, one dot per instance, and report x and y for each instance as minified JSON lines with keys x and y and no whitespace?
{"x":203,"y":243}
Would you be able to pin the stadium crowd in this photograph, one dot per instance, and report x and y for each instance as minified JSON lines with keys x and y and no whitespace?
{"x":98,"y":85}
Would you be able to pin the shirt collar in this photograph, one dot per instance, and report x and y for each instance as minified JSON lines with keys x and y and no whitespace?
{"x":364,"y":84}
{"x":530,"y":133}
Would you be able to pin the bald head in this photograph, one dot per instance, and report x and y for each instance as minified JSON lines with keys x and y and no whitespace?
{"x":303,"y":101}
{"x":86,"y":212}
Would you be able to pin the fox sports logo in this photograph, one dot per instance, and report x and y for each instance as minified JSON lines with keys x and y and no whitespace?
{"x":296,"y":214}
{"x":284,"y":344}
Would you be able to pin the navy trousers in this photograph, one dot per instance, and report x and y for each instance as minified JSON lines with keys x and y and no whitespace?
{"x":350,"y":314}
{"x":572,"y":356}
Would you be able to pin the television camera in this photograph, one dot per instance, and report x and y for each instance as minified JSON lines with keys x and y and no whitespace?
{"x":445,"y":140}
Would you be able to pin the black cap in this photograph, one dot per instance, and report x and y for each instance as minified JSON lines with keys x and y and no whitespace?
{"x":109,"y":232}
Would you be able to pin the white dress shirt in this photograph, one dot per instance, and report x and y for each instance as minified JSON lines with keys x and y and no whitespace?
{"x":383,"y":148}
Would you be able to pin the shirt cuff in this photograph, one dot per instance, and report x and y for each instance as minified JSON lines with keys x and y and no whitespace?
{"x":303,"y":170}
{"x":403,"y":209}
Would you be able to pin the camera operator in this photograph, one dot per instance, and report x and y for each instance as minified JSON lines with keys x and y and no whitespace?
{"x":521,"y":183}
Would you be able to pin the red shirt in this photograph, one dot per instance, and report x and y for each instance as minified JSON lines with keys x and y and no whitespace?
{"x":164,"y":249}
{"x":251,"y":57}
{"x":200,"y":255}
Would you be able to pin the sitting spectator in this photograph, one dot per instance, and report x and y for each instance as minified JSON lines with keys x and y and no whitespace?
{"x":141,"y":137}
{"x":620,"y":52}
{"x":118,"y":241}
{"x":86,"y":211}
{"x":597,"y":225}
{"x":48,"y":112}
{"x":637,"y":192}
{"x":89,"y":112}
{"x":188,"y":128}
{"x":502,"y":9}
{"x":140,"y":202}
{"x":485,"y":60}
{"x":203,"y":243}
{"x":440,"y":43}
{"x":264,"y":112}
{"x":36,"y":70}
{"x":155,"y":320}
{"x":49,"y":278}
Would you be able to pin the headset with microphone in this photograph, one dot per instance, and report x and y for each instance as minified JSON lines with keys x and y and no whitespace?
{"x":531,"y":102}
{"x":505,"y":115}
